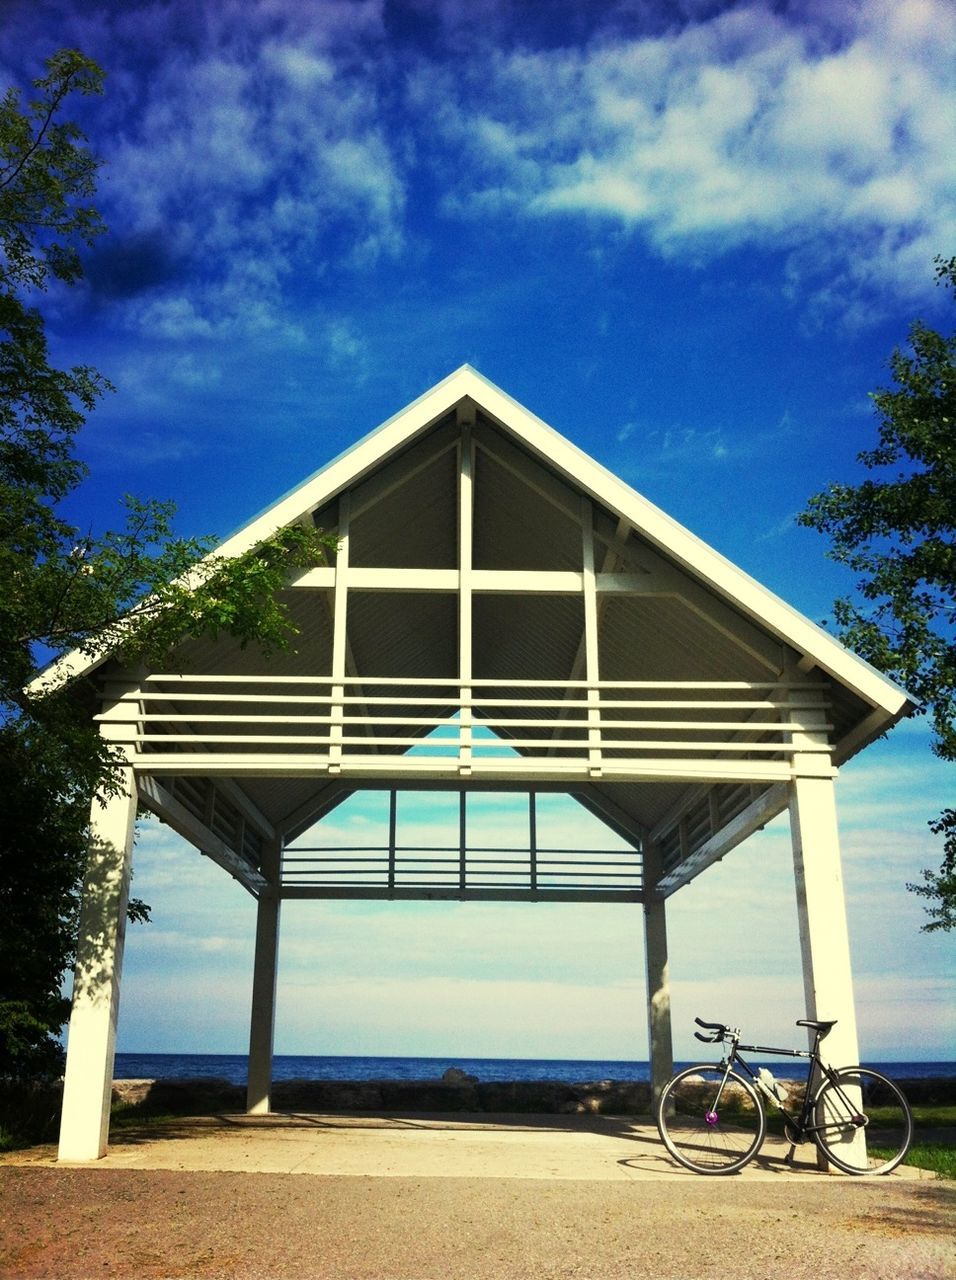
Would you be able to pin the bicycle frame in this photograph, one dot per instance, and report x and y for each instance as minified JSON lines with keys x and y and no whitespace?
{"x":713,"y":1118}
{"x":802,"y":1121}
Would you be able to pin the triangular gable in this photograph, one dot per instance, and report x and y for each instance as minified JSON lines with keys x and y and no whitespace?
{"x":677,"y":544}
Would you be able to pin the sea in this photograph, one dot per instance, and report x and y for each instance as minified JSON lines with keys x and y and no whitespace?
{"x":234,"y":1068}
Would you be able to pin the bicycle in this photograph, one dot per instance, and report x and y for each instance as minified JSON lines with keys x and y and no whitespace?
{"x":713,"y":1120}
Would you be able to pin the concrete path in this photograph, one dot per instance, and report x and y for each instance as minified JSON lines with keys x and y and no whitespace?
{"x":588,"y":1148}
{"x":452,"y":1198}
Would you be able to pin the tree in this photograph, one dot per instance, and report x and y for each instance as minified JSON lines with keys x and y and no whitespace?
{"x":137,"y":589}
{"x":897,"y":531}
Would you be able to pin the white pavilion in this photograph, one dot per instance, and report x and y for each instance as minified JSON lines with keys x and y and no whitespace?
{"x":495,"y":583}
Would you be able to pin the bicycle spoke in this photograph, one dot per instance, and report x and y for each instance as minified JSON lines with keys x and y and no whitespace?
{"x":706,"y":1128}
{"x":863,"y":1122}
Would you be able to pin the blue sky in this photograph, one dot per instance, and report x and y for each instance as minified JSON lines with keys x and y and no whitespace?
{"x":687,"y":235}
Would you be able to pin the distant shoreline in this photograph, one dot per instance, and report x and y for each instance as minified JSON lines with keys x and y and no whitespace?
{"x":356,"y":1069}
{"x":457,"y":1092}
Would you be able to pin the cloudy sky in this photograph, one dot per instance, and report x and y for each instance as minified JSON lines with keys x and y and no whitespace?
{"x":687,"y":235}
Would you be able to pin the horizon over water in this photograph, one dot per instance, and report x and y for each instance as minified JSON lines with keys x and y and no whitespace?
{"x":234,"y":1067}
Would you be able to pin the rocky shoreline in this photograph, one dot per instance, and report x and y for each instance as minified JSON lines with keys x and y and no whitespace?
{"x":609,"y":1097}
{"x":460,"y":1093}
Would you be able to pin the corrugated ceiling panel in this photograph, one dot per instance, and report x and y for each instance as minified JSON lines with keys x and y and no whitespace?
{"x":415,"y":525}
{"x":517,"y":528}
{"x":526,"y":637}
{"x":661,"y":638}
{"x":309,"y":652}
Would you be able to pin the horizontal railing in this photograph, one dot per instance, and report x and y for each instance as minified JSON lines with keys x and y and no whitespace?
{"x":474,"y":869}
{"x":576,"y":724}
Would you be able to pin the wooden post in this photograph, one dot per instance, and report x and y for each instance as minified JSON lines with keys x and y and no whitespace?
{"x":262,"y":1022}
{"x":264,"y":975}
{"x":660,"y":1044}
{"x":821,"y":905}
{"x":466,"y":534}
{"x":339,"y":638}
{"x":591,"y":638}
{"x":91,"y":1047}
{"x":821,"y":909}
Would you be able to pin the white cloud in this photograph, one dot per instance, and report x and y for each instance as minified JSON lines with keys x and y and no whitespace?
{"x":739,"y":129}
{"x":261,"y":147}
{"x":258,"y":153}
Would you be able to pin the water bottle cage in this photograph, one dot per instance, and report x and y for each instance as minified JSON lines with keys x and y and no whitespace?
{"x":770,"y":1087}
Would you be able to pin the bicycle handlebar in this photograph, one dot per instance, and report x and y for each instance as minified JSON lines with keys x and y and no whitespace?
{"x":718,"y":1029}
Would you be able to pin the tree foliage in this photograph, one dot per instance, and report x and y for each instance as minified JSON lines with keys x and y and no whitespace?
{"x":897,"y":532}
{"x":137,"y":589}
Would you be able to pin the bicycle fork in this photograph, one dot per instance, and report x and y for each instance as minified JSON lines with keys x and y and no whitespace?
{"x":712,"y":1117}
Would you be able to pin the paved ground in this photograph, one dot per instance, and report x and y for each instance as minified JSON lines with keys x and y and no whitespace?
{"x":591,"y":1148}
{"x":453,"y":1198}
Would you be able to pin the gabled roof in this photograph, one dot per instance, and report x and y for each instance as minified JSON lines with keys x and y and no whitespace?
{"x":496,"y":583}
{"x":681,"y":548}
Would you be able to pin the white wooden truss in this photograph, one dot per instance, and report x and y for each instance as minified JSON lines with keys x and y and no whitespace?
{"x":497,"y":586}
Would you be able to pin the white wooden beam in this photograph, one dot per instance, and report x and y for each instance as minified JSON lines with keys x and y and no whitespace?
{"x":329,"y":796}
{"x":466,"y":533}
{"x":251,"y":812}
{"x":339,"y":635}
{"x":565,"y":582}
{"x":528,"y":470}
{"x":757,"y":814}
{"x":592,"y":661}
{"x":597,"y":801}
{"x":168,"y":809}
{"x":541,"y":768}
{"x":381,"y":485}
{"x":402,"y":893}
{"x":568,"y":582}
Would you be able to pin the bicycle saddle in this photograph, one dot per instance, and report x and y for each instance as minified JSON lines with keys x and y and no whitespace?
{"x":822,"y":1027}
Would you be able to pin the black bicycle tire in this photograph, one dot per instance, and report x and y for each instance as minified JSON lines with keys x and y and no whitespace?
{"x":845,"y":1076}
{"x":668,"y":1135}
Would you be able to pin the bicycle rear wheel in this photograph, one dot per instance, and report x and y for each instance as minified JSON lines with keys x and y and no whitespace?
{"x":710,"y":1129}
{"x":865,"y":1122}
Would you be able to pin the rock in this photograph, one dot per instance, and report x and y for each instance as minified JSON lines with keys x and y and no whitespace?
{"x":455,"y":1075}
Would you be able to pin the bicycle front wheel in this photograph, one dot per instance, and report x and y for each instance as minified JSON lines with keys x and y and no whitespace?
{"x":708,"y":1123}
{"x":863,"y":1123}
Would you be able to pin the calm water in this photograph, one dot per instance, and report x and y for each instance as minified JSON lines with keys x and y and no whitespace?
{"x":233,"y":1067}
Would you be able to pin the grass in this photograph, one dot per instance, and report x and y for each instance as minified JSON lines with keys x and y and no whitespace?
{"x":934,"y":1115}
{"x":933,"y":1153}
{"x":938,"y":1157}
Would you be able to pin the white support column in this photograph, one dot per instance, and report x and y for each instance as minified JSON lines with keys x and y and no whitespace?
{"x":91,"y":1047}
{"x":660,"y":1044}
{"x":264,"y":976}
{"x":821,"y":910}
{"x":262,"y":1026}
{"x":821,"y":906}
